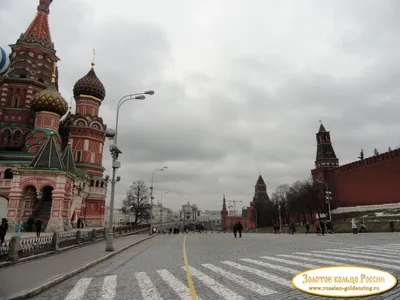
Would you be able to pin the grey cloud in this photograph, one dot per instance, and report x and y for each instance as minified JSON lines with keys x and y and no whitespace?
{"x":254,"y":109}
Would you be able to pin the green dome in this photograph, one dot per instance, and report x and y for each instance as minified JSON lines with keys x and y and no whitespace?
{"x":50,"y":100}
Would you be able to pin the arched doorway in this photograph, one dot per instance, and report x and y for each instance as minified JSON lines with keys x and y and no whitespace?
{"x":43,"y":209}
{"x":3,"y":207}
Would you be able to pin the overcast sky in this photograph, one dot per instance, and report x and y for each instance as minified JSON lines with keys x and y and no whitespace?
{"x":240,"y":87}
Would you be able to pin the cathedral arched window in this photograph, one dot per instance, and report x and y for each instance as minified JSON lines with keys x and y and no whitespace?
{"x":97,"y":183}
{"x":17,"y":135}
{"x":6,"y":136}
{"x":15,"y":101}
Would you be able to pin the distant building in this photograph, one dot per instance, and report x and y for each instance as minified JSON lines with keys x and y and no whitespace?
{"x":162,"y":214}
{"x":119,"y":217}
{"x":189,"y":212}
{"x":248,"y":214}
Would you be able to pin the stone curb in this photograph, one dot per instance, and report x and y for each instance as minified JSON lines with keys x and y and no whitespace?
{"x":36,"y":291}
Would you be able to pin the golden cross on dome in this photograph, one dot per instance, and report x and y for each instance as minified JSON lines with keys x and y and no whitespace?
{"x":94,"y":55}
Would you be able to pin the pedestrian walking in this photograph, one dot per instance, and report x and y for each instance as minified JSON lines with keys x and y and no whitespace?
{"x":30,"y":223}
{"x":307,"y":227}
{"x":323,"y":227}
{"x":235,"y":229}
{"x":38,"y":225}
{"x":240,"y":229}
{"x":363,"y":228}
{"x":354,"y":226}
{"x":317,"y":227}
{"x":292,"y":228}
{"x":275,"y":228}
{"x":3,"y":230}
{"x":391,"y":226}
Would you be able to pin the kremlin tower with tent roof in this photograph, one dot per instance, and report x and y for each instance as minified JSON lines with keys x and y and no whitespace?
{"x":50,"y":159}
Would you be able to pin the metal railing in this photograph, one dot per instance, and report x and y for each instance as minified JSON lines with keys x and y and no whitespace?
{"x":30,"y":246}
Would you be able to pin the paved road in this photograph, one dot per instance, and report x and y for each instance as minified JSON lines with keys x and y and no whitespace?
{"x":257,"y":266}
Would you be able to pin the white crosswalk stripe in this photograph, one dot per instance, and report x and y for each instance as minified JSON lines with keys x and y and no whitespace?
{"x":233,"y":280}
{"x":147,"y":288}
{"x":321,"y":261}
{"x":179,"y":288}
{"x":260,"y":273}
{"x":218,"y":288}
{"x":109,"y":288}
{"x":354,"y":260}
{"x":366,"y":252}
{"x":259,"y":289}
{"x":289,"y":262}
{"x":356,"y":256}
{"x":276,"y":267}
{"x":79,"y":289}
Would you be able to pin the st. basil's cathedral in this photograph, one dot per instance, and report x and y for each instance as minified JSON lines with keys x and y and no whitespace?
{"x":50,"y":159}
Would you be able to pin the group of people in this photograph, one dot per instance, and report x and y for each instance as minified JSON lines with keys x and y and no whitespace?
{"x":237,"y":227}
{"x":363,"y":228}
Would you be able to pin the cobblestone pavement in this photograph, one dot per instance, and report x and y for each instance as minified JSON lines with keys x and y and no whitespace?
{"x":257,"y":266}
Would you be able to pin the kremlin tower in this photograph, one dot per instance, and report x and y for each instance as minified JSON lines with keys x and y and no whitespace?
{"x":50,"y":159}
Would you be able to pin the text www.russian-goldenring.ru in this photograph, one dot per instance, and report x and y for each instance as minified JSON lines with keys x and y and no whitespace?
{"x":350,"y":288}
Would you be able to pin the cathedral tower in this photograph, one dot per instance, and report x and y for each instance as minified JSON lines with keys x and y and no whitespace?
{"x":32,"y":59}
{"x":49,"y":106}
{"x":87,"y":130}
{"x":326,"y":158}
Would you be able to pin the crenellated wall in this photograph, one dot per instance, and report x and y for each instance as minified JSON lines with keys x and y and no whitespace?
{"x":373,"y":180}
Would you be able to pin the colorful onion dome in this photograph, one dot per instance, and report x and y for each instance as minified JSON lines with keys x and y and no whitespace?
{"x":50,"y":100}
{"x":4,"y":62}
{"x":90,"y":85}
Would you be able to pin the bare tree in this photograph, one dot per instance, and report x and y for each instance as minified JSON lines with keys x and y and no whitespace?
{"x":137,"y":202}
{"x":280,"y":197}
{"x":361,"y":154}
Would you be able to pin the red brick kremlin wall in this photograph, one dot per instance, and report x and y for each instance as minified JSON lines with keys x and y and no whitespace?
{"x":373,"y":180}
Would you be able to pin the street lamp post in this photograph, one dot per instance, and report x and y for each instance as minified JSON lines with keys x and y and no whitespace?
{"x":115,"y":151}
{"x":137,"y":96}
{"x":280,"y":222}
{"x":151,"y":196}
{"x":161,"y":207}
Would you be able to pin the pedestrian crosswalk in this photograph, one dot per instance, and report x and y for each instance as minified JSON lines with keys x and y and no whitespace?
{"x":263,"y":277}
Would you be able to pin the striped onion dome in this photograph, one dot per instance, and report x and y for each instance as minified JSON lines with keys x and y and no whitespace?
{"x":4,"y":62}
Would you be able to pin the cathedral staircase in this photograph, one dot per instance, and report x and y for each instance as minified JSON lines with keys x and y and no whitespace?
{"x":43,"y":213}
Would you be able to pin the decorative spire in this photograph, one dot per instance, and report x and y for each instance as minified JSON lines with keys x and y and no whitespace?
{"x":94,"y":54}
{"x":321,"y":127}
{"x":260,"y":180}
{"x":39,"y":30}
{"x":224,"y":203}
{"x":68,"y":158}
{"x":44,"y":6}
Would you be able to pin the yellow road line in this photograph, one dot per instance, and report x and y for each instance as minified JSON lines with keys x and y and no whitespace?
{"x":188,"y":274}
